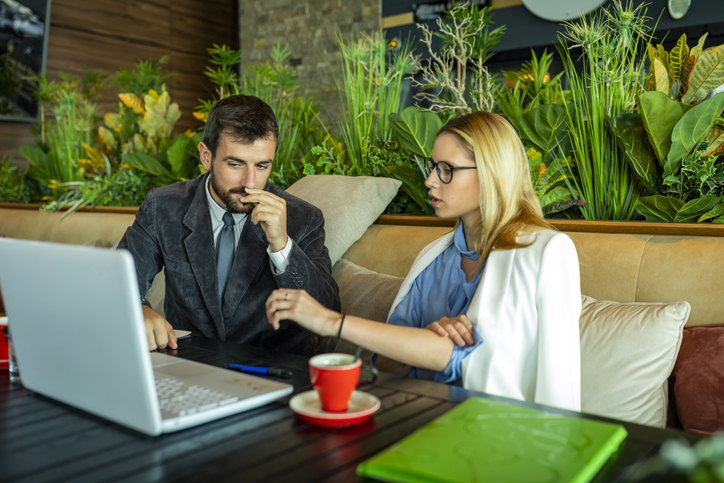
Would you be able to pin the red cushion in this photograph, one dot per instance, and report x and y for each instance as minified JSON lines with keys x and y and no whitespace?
{"x":699,"y":379}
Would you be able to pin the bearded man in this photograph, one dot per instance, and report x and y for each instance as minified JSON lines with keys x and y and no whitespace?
{"x":229,"y":238}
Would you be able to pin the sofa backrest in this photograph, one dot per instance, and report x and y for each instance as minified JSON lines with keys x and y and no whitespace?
{"x":99,"y":229}
{"x":621,"y":268}
{"x":616,"y":267}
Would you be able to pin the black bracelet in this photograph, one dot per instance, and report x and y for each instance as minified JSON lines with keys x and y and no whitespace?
{"x":339,"y":334}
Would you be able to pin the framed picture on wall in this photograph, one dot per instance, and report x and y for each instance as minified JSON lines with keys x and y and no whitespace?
{"x":23,"y":48}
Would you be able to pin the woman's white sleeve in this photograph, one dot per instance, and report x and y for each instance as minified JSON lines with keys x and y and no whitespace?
{"x":558,"y":301}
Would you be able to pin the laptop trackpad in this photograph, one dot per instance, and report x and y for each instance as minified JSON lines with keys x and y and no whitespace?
{"x":185,"y":371}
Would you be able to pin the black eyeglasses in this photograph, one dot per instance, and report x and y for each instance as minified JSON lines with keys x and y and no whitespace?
{"x":444,"y":170}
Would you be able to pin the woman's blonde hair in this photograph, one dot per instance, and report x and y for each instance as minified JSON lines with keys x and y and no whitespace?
{"x":507,"y":200}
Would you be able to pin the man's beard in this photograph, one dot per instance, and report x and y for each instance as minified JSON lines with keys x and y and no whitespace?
{"x":232,"y":203}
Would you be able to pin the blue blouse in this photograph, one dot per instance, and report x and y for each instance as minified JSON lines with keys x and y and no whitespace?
{"x":441,"y":290}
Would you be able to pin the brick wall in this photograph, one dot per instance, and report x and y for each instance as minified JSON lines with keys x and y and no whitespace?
{"x":309,"y":28}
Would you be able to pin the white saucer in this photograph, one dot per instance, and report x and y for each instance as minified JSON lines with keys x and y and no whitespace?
{"x":361,"y":406}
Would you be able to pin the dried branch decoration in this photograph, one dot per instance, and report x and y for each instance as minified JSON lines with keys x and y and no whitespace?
{"x":466,"y":42}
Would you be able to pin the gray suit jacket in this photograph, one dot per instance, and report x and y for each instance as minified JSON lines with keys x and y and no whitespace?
{"x":173,"y":230}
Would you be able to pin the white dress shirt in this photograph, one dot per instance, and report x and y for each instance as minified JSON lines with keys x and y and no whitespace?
{"x":279,"y":260}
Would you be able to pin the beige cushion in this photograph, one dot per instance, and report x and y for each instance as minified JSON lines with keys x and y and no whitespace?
{"x":350,"y":204}
{"x":363,"y":293}
{"x":627,"y":354}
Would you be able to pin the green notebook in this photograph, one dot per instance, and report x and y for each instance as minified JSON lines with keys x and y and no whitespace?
{"x":488,"y":441}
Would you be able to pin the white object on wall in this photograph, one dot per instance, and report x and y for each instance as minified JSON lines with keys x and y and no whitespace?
{"x":558,"y":10}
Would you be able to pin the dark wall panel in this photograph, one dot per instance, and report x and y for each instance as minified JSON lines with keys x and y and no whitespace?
{"x":105,"y":35}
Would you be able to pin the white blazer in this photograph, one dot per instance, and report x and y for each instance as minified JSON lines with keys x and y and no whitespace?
{"x":527,"y":309}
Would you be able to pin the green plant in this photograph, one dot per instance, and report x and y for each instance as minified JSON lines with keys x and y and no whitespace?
{"x":300,"y":127}
{"x":53,"y":161}
{"x":532,"y":87}
{"x":126,"y":187}
{"x":607,"y":84}
{"x":175,"y":160}
{"x":686,"y":75}
{"x":673,"y":149}
{"x":549,"y":185}
{"x":12,"y":183}
{"x":677,"y":461}
{"x":372,"y":74}
{"x":145,"y":76}
{"x":466,"y":41}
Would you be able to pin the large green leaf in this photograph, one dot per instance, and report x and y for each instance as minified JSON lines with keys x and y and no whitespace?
{"x":659,"y":114}
{"x":413,"y":183}
{"x":631,"y":138}
{"x":35,"y":156}
{"x":556,"y":195}
{"x":39,"y":163}
{"x":545,"y":127}
{"x":147,"y":163}
{"x":708,"y":74}
{"x":176,"y":153}
{"x":658,"y":207}
{"x":694,"y":209}
{"x":718,"y":210}
{"x":416,"y":130}
{"x":691,"y":129}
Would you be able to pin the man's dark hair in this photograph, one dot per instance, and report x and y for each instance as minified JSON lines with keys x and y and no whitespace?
{"x":244,"y":118}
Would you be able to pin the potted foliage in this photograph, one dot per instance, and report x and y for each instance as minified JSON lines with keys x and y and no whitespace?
{"x":675,"y":136}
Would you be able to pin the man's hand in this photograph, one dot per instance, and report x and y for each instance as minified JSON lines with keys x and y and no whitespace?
{"x":459,"y":329}
{"x":159,"y":332}
{"x":271,"y":212}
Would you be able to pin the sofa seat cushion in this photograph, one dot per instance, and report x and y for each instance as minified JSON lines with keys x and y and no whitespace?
{"x":699,"y":380}
{"x":628,"y":352}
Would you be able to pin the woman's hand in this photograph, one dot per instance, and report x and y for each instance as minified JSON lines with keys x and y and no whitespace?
{"x":459,"y":329}
{"x":300,"y":307}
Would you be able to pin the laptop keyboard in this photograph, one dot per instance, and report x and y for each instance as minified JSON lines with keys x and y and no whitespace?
{"x":178,"y":399}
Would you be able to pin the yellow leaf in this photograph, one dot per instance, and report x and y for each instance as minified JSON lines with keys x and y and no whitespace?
{"x":696,"y":51}
{"x":94,"y":155}
{"x":715,"y":138}
{"x":112,"y":120}
{"x":139,"y":145}
{"x":126,"y":166}
{"x":189,"y":133}
{"x":133,"y":102}
{"x":201,"y":116}
{"x":661,"y":76}
{"x":106,"y":140}
{"x":151,"y":147}
{"x":652,"y":52}
{"x":686,"y":74}
{"x":663,"y":56}
{"x":677,"y":58}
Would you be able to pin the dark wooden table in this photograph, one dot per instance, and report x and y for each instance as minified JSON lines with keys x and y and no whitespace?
{"x":43,"y":440}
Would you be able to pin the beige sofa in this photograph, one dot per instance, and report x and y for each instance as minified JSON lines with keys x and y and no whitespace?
{"x":622,"y":268}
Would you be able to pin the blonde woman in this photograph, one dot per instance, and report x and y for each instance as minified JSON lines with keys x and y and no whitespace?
{"x":500,"y":294}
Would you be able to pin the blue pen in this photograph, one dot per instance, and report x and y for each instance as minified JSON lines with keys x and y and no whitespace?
{"x":267,"y":371}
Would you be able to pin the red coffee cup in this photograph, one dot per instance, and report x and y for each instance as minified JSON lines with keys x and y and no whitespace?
{"x":334,"y":377}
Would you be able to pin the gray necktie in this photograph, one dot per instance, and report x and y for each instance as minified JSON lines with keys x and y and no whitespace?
{"x":225,"y":251}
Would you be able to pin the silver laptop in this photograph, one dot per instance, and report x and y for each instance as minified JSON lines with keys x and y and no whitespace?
{"x":75,"y":318}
